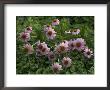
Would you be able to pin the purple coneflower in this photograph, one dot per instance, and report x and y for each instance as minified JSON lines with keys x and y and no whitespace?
{"x":55,"y":22}
{"x":87,"y":53}
{"x":62,"y":47}
{"x":45,"y":50}
{"x":79,"y":44}
{"x":75,"y":31}
{"x":47,"y":27}
{"x":28,"y":49}
{"x":71,"y":44}
{"x":66,"y":62}
{"x":56,"y":67}
{"x":28,"y":29}
{"x":50,"y":34}
{"x":25,"y":36}
{"x":51,"y":56}
{"x":42,"y":48}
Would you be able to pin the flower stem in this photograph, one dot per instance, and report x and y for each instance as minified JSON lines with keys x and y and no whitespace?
{"x":33,"y":44}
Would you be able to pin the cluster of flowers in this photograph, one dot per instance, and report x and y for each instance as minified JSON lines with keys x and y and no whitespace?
{"x":42,"y":49}
{"x":49,"y":31}
{"x":66,"y":46}
{"x":25,"y":36}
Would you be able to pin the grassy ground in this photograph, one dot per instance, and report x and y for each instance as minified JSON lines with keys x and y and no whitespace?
{"x":29,"y":64}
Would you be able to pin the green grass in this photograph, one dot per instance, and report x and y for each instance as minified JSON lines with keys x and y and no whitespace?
{"x":29,"y":64}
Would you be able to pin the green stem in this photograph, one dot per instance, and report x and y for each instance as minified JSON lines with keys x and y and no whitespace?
{"x":33,"y":36}
{"x":33,"y":44}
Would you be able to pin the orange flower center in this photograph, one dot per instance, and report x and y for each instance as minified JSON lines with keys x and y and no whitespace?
{"x":55,"y":20}
{"x":58,"y":49}
{"x":62,"y":48}
{"x":75,"y":30}
{"x":78,"y":44}
{"x":44,"y":49}
{"x":49,"y":33}
{"x":40,"y":46}
{"x":24,"y":36}
{"x":55,"y":69}
{"x":65,"y":62}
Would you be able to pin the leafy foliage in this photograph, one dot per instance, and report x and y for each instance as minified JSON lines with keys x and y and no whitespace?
{"x":30,"y":64}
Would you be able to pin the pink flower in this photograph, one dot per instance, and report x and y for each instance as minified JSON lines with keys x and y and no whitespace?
{"x":65,"y":41}
{"x":25,"y":36}
{"x":50,"y":34}
{"x":47,"y":27}
{"x":28,"y":49}
{"x":66,"y":62}
{"x":56,"y":67}
{"x":55,"y":22}
{"x":75,"y":31}
{"x":62,"y":47}
{"x":51,"y":56}
{"x":45,"y":50}
{"x":71,"y":44}
{"x":79,"y":44}
{"x":87,"y":53}
{"x":28,"y":29}
{"x":42,"y":48}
